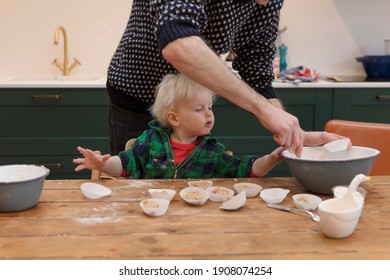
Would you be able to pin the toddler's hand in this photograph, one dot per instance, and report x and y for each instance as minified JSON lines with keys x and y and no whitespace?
{"x":91,"y":160}
{"x":276,"y":156}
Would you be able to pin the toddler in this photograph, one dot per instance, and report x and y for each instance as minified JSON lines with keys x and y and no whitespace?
{"x":178,"y":143}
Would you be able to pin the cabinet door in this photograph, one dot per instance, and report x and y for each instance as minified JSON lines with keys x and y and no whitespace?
{"x":44,"y":126}
{"x":362,"y":104}
{"x":241,"y":132}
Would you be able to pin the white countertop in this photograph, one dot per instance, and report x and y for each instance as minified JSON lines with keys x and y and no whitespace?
{"x":100,"y":82}
{"x":54,"y":82}
{"x":328,"y":84}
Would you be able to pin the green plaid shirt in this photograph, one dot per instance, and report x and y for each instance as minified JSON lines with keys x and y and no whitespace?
{"x":151,"y":157}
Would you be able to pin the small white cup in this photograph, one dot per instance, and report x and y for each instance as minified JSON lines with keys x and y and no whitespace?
{"x":338,"y":220}
{"x":360,"y":194}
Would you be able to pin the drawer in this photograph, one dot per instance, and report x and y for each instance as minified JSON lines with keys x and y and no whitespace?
{"x":45,"y":126}
{"x":54,"y":121}
{"x":53,"y":97}
{"x":74,"y":114}
{"x":20,"y":147}
{"x":61,"y":167}
{"x":55,"y":154}
{"x":368,"y":105}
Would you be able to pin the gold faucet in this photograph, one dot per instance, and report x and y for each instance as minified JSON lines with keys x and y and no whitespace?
{"x":64,"y":67}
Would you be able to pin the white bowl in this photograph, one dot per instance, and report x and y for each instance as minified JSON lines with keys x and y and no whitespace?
{"x":250,"y":189}
{"x":154,"y":206}
{"x":306,"y":201}
{"x":167,"y":194}
{"x":235,"y":202}
{"x":194,"y":195}
{"x":94,"y":191}
{"x":274,"y":195}
{"x":21,"y":186}
{"x":220,"y":194}
{"x":319,"y":170}
{"x":337,"y":145}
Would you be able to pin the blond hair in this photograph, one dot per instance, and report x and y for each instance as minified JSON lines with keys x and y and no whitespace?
{"x":172,"y":89}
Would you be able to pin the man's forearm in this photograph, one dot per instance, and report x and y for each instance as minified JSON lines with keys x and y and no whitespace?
{"x":192,"y":57}
{"x":276,"y":102}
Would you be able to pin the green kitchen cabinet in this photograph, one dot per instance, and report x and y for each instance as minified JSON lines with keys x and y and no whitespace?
{"x":45,"y":125}
{"x":241,"y":132}
{"x":362,"y":104}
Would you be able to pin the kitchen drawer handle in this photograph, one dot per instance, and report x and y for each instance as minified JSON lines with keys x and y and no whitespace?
{"x":54,"y":97}
{"x":383,"y":97}
{"x":52,"y":165}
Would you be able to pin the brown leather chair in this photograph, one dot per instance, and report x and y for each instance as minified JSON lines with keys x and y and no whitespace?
{"x":372,"y":135}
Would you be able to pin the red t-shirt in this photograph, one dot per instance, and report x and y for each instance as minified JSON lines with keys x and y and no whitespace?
{"x":181,"y":151}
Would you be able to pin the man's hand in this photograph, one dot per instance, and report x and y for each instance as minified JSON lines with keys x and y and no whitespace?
{"x":284,"y":126}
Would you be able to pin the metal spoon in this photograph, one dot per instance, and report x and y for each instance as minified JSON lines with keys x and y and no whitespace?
{"x":315,"y":217}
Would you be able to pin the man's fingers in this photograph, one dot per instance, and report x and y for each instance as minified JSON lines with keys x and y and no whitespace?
{"x":293,"y":142}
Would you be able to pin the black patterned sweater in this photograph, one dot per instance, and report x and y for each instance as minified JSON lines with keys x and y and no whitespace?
{"x":241,"y":26}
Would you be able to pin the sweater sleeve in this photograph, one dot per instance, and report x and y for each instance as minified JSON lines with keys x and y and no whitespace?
{"x":177,"y":19}
{"x":254,"y":59}
{"x":135,"y":159}
{"x":231,"y":166}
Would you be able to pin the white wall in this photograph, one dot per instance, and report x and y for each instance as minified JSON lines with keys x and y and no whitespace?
{"x":27,"y":28}
{"x":326,"y":35}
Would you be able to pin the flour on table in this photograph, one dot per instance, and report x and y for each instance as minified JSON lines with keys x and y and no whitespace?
{"x":96,"y":220}
{"x":104,"y":214}
{"x":138,"y":184}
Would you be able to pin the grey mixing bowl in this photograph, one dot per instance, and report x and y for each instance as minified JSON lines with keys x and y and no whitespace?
{"x":21,"y":186}
{"x":319,"y":170}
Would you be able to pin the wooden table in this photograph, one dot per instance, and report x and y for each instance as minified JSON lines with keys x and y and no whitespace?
{"x":67,"y":225}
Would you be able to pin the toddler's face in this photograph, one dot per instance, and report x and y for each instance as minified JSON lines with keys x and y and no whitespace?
{"x":195,"y":115}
